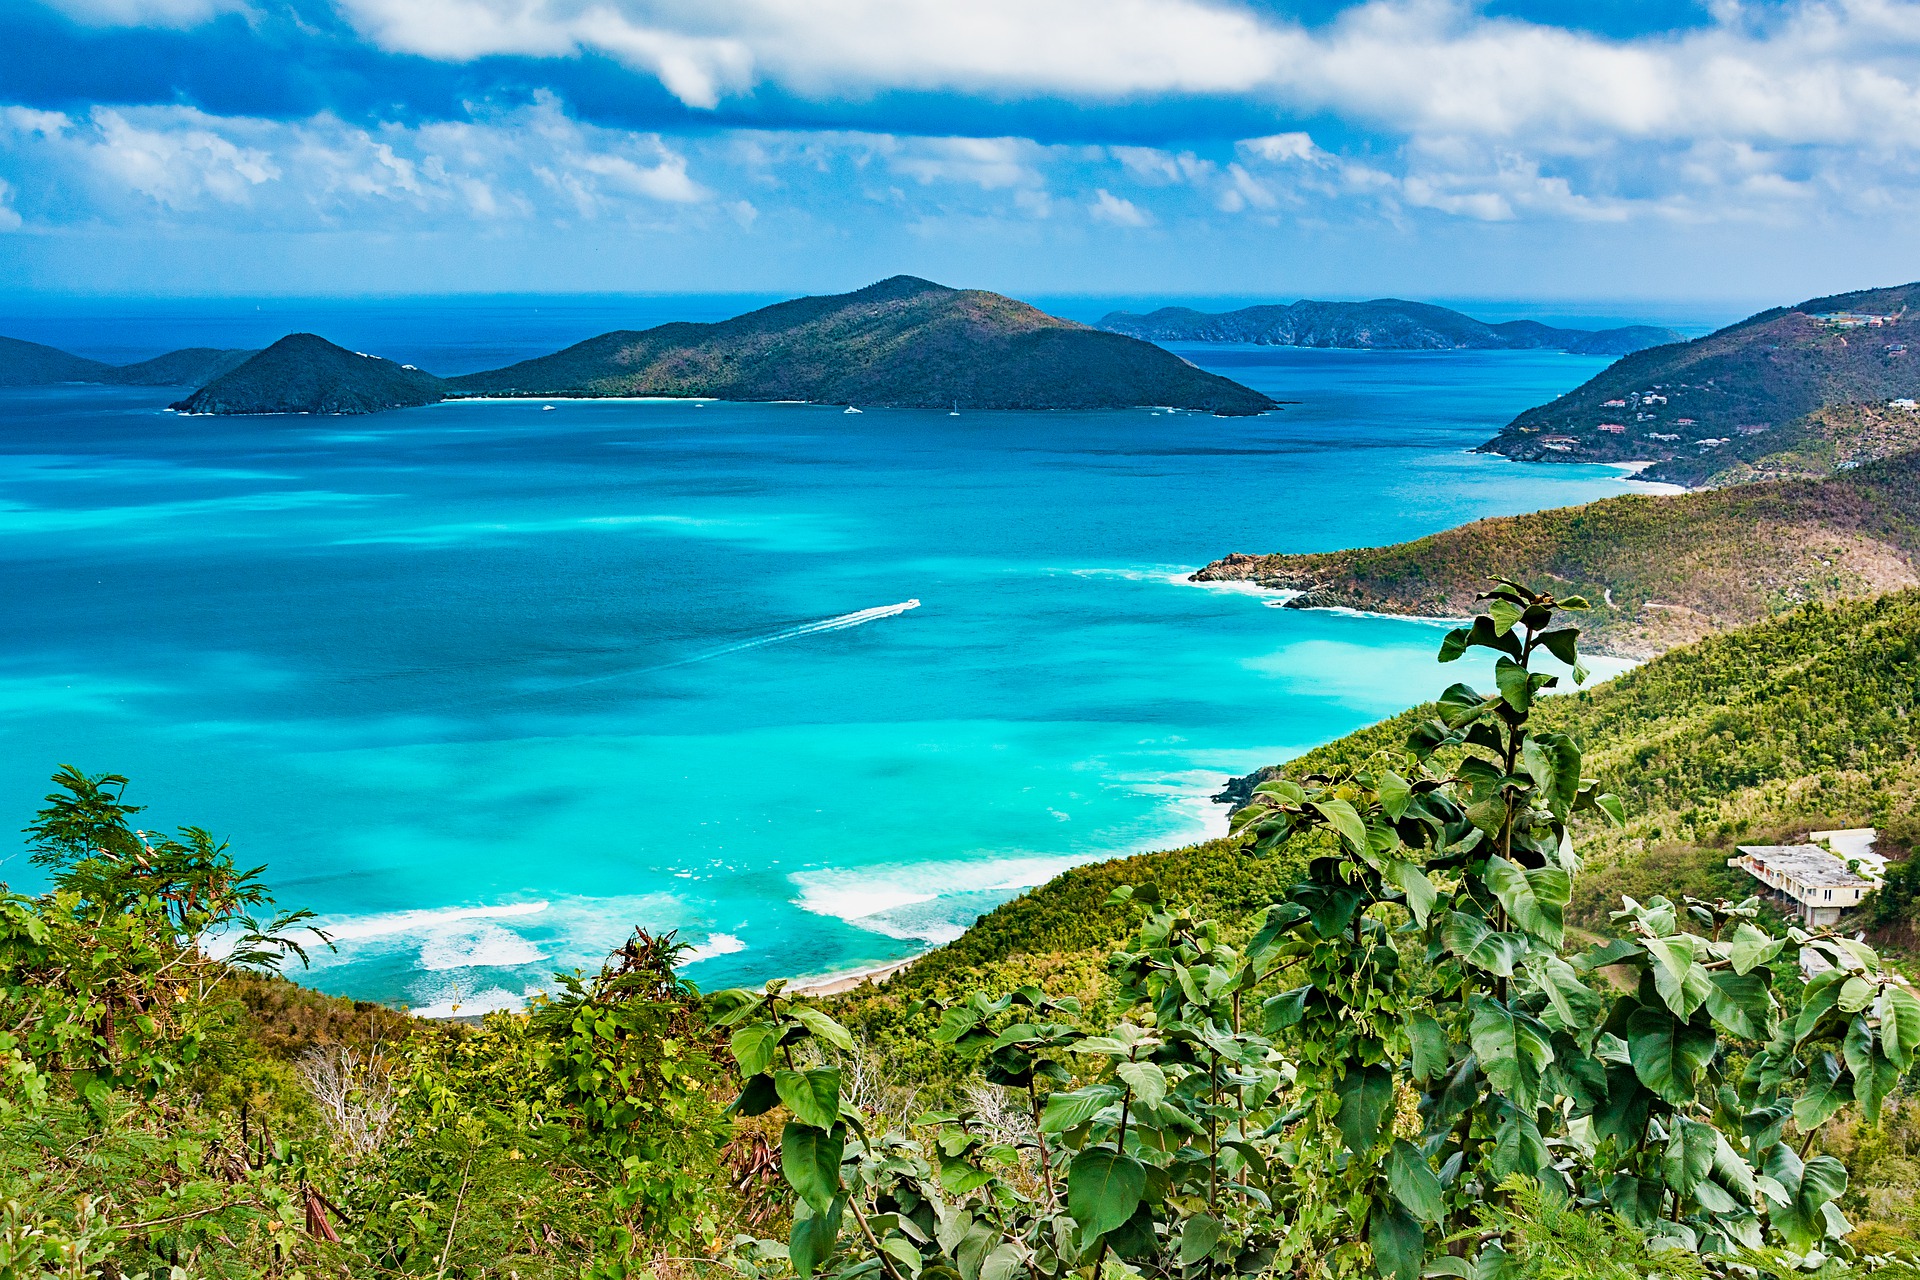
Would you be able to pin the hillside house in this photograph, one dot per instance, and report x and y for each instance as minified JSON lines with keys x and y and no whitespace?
{"x":1905,"y":402}
{"x":1613,"y":404}
{"x":1613,"y":428}
{"x":1661,"y":435}
{"x":1685,"y":422}
{"x":1805,"y":879}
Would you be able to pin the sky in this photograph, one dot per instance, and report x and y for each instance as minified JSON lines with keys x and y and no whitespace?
{"x":1543,"y":149}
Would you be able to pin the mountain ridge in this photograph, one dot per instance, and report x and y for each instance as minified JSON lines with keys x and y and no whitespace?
{"x":1381,"y":324}
{"x":34,"y":364}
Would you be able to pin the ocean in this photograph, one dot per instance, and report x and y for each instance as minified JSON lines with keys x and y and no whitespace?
{"x":487,"y":685}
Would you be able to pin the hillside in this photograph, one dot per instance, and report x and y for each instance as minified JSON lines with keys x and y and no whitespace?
{"x":303,"y":373}
{"x":30,"y":364}
{"x":1831,"y":439}
{"x":1663,"y":571}
{"x":903,"y":342}
{"x":1692,"y":399}
{"x":1385,"y":324}
{"x":189,"y":367}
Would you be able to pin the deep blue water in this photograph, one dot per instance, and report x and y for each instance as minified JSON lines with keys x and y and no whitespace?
{"x":486,"y":685}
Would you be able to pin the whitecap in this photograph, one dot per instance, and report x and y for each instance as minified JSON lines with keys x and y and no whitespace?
{"x":479,"y":946}
{"x":717,"y":944}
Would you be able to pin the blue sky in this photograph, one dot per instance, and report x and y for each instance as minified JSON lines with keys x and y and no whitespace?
{"x":1429,"y":148}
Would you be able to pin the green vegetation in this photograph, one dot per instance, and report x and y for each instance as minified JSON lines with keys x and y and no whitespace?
{"x":902,"y":342}
{"x":1372,"y":1033}
{"x":1432,"y":1089}
{"x":1762,"y":373}
{"x":1662,"y":571}
{"x":304,"y":373}
{"x":1385,"y":324}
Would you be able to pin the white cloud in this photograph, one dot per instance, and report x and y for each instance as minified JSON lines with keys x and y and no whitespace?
{"x":1107,"y":207}
{"x":532,"y":162}
{"x":1280,"y":147}
{"x":9,"y":217}
{"x":1815,"y":71}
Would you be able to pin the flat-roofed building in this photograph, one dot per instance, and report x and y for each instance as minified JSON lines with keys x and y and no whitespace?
{"x":1808,"y":880}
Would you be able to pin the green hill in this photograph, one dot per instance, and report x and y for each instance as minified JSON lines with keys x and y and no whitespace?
{"x":304,"y":373}
{"x":1801,"y":722}
{"x":189,"y":367}
{"x":1662,"y":570}
{"x":1690,"y":399}
{"x":1384,"y":324}
{"x":903,"y":342}
{"x":30,"y":364}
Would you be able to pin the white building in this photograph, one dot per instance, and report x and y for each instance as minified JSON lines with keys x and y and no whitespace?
{"x":1806,"y":879}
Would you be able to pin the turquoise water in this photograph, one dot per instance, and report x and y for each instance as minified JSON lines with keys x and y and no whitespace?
{"x":486,"y":685}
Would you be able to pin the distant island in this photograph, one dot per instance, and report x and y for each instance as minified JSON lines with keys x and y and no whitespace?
{"x":32,"y":364}
{"x":1385,"y":324}
{"x":304,"y":373}
{"x":902,"y":343}
{"x":1661,"y":571}
{"x":1801,"y":390}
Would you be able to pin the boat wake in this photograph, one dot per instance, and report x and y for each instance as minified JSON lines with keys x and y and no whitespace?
{"x":841,"y":622}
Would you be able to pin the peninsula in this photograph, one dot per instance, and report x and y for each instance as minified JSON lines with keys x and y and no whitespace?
{"x":1660,"y":571}
{"x":1385,"y":324}
{"x":1768,"y":396}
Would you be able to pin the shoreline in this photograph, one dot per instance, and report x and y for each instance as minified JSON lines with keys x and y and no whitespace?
{"x":834,"y":984}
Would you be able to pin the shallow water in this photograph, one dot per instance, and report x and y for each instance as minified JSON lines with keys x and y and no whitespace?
{"x":486,"y":685}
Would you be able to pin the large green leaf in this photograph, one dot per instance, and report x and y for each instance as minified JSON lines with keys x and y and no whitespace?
{"x":1341,"y":817}
{"x":1635,"y":1199}
{"x":1668,"y":1054}
{"x":1535,"y":899}
{"x":1828,"y":1089}
{"x":1552,"y":760}
{"x":810,"y":1159}
{"x":1900,"y":1025}
{"x":1572,"y":1006}
{"x":1413,"y":882}
{"x":1518,"y":1147}
{"x":1750,"y":948}
{"x":1395,"y":794}
{"x":1103,"y":1189}
{"x":1069,"y":1109}
{"x":1431,"y":1054}
{"x":1477,"y":943}
{"x":1819,"y":999}
{"x":754,"y":1045}
{"x":1414,"y":1183}
{"x":813,"y":1096}
{"x":1147,"y":1081}
{"x":1740,"y":1003}
{"x":1198,"y":1237}
{"x":1399,"y":1245}
{"x":1682,"y":983}
{"x":1515,"y":687}
{"x":1513,"y":1049}
{"x":1856,"y":993}
{"x":811,"y":1242}
{"x":1689,"y":1155}
{"x":823,"y":1027}
{"x":1366,"y":1095}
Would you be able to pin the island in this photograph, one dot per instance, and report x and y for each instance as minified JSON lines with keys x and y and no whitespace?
{"x":902,"y":343}
{"x":304,"y":373}
{"x":1384,"y":324}
{"x":33,"y":364}
{"x":1794,"y":390}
